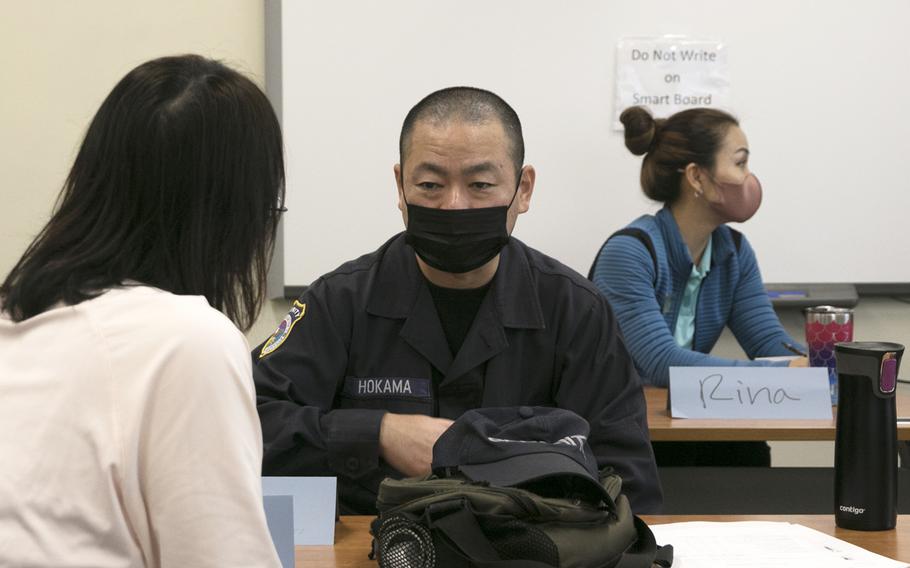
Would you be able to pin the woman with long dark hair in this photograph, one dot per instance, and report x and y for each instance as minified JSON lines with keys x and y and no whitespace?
{"x":130,"y":433}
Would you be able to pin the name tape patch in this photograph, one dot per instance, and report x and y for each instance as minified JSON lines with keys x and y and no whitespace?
{"x":386,"y":387}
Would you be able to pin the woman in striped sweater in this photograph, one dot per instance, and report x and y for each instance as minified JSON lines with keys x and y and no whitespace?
{"x":675,"y":279}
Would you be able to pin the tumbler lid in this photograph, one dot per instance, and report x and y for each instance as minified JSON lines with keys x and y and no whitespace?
{"x":828,"y":310}
{"x":829,"y":314}
{"x":871,"y":348}
{"x":882,"y":360}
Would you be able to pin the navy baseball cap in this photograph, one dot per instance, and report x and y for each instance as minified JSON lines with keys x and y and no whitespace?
{"x":542,"y":448}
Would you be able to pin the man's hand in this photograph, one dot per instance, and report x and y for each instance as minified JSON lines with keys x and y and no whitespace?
{"x":801,"y":362}
{"x":406,"y":441}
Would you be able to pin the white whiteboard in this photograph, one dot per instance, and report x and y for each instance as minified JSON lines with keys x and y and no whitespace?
{"x":822,"y":89}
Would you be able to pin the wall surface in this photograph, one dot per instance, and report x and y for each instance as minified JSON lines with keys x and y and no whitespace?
{"x":817,"y":85}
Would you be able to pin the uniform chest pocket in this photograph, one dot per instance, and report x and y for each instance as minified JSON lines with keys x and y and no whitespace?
{"x":404,"y":395}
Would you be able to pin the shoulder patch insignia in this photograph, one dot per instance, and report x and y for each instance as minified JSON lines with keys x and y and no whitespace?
{"x":284,"y":329}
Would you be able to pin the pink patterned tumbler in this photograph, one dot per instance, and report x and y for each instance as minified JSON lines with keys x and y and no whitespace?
{"x":825,"y":326}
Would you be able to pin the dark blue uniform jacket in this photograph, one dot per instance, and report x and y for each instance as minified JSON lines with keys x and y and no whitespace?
{"x":366,"y":339}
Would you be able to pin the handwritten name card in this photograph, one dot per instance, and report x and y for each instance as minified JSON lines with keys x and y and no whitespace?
{"x":750,"y":393}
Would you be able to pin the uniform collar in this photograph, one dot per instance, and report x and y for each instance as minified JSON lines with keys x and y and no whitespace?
{"x":399,"y":285}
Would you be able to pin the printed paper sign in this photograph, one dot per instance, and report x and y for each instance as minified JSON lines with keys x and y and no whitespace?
{"x":670,"y":74}
{"x":750,"y":393}
{"x":314,"y":506}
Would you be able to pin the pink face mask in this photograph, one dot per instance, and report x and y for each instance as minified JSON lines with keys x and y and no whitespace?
{"x":737,"y":202}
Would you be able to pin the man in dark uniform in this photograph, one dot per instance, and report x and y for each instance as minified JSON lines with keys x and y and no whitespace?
{"x":377,"y":358}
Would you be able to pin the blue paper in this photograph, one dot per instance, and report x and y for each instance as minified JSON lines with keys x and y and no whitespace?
{"x":784,"y":393}
{"x":314,"y":506}
{"x":279,"y":514}
{"x":774,"y":294}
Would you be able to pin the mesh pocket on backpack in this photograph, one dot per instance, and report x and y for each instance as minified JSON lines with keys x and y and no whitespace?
{"x":405,"y":544}
{"x":516,"y":540}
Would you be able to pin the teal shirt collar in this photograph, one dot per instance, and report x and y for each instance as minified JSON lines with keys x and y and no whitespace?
{"x":704,"y":266}
{"x":684,"y":333}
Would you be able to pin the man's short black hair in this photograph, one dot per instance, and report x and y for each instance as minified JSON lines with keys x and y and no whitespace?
{"x":467,"y":104}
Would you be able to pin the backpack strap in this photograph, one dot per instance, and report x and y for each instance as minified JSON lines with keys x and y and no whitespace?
{"x":639,"y":234}
{"x":664,"y":556}
{"x":737,"y":238}
{"x":645,"y":553}
{"x":458,"y":523}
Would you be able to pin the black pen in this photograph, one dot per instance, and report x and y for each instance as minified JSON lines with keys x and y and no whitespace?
{"x":793,"y":349}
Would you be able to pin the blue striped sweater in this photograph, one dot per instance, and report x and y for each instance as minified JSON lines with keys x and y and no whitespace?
{"x":646,"y":298}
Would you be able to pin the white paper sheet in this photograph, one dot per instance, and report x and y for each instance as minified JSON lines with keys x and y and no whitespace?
{"x":756,"y":544}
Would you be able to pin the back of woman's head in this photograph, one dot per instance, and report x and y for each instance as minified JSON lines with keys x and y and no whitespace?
{"x":177,"y":185}
{"x":671,"y":144}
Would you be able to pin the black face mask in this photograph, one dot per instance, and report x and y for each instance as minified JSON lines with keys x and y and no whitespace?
{"x":457,"y":240}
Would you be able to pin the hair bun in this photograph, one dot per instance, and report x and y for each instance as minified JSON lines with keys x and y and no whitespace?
{"x":641,"y":129}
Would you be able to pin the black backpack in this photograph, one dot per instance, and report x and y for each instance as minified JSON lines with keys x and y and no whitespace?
{"x":455,"y":523}
{"x":512,"y":487}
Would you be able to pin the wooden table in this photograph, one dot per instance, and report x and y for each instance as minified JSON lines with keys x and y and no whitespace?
{"x":664,"y":428}
{"x":352,"y":537}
